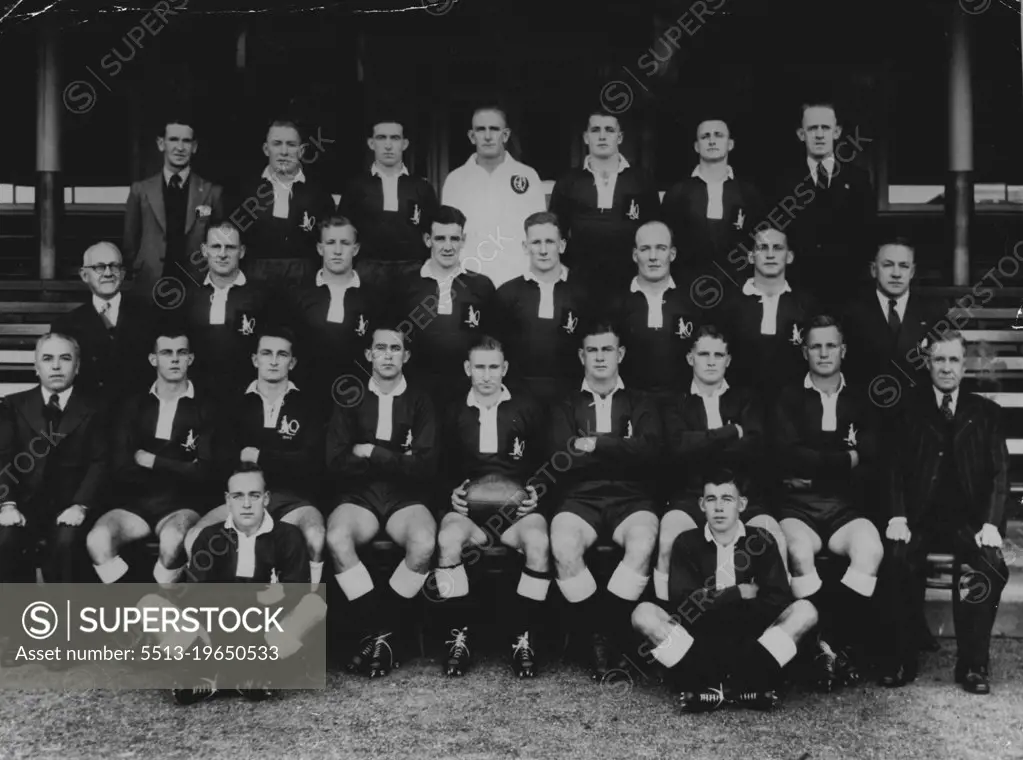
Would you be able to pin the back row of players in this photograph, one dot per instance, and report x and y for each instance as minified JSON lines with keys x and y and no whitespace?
{"x":632,"y":457}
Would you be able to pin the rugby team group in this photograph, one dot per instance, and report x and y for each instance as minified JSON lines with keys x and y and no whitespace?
{"x":698,"y":378}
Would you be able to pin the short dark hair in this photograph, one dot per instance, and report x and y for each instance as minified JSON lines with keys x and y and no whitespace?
{"x":276,"y":331}
{"x":448,"y":215}
{"x":335,"y":220}
{"x":598,"y":111}
{"x":721,"y":475}
{"x":486,"y":343}
{"x":599,"y":327}
{"x":767,"y":225}
{"x":945,"y":336}
{"x":247,"y":468}
{"x":389,"y":326}
{"x":226,"y":224}
{"x":171,"y":329}
{"x":285,"y":123}
{"x":819,"y":103}
{"x":899,"y":240}
{"x":821,"y":321}
{"x":713,"y":116}
{"x":709,"y":331}
{"x":178,"y":118}
{"x":651,"y":222}
{"x":490,"y":107}
{"x":541,"y":217}
{"x":386,"y":117}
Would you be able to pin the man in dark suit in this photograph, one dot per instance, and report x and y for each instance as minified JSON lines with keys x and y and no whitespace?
{"x":948,"y":485}
{"x":711,"y":212}
{"x":829,"y":205}
{"x":166,"y":216}
{"x":54,"y":436}
{"x":884,"y":327}
{"x":392,"y":211}
{"x":112,"y":328}
{"x":279,"y":212}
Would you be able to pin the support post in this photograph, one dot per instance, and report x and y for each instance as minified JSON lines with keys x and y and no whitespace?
{"x":49,"y":110}
{"x":959,"y":188}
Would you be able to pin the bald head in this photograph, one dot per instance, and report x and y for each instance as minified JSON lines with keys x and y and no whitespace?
{"x":102,"y":269}
{"x":101,"y":253}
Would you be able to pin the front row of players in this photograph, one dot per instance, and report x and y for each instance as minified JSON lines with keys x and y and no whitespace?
{"x":724,"y":615}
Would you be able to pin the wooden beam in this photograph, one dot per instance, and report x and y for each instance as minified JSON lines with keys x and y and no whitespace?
{"x":959,"y":187}
{"x":49,"y":110}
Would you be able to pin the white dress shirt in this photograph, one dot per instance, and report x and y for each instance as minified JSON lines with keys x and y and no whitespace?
{"x":282,"y":191}
{"x":603,"y":404}
{"x":218,"y":300}
{"x":168,"y":408}
{"x":546,"y":310}
{"x":385,"y":415}
{"x":488,"y":419}
{"x":711,"y":404}
{"x":109,"y":306}
{"x":246,"y":566}
{"x":390,"y":185}
{"x":724,"y":576}
{"x":605,"y":189}
{"x":939,"y":395}
{"x":900,"y":305}
{"x":271,"y":409}
{"x":715,"y":192}
{"x":445,"y":304}
{"x":336,"y":310}
{"x":829,"y":402}
{"x":654,"y":302}
{"x":829,"y":164}
{"x":62,"y":397}
{"x":167,"y":174}
{"x":769,"y":318}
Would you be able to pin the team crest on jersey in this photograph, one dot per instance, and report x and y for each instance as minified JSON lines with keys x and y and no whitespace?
{"x":473,"y":318}
{"x":273,"y":575}
{"x":628,"y":430}
{"x":248,"y":325}
{"x":633,"y":212}
{"x":740,"y":220}
{"x":685,"y":329}
{"x":519,"y":184}
{"x":518,"y":449}
{"x":416,"y":215}
{"x":361,"y":326}
{"x":308,"y":222}
{"x":289,"y":428}
{"x":850,"y":437}
{"x":571,"y":322}
{"x":796,"y":339}
{"x":190,"y":443}
{"x":407,"y":446}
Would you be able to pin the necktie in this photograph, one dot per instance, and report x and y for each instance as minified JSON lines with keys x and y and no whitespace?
{"x":104,"y":314}
{"x":822,"y":176}
{"x":946,"y":406}
{"x":894,"y":323}
{"x":175,"y":182}
{"x":53,"y":411}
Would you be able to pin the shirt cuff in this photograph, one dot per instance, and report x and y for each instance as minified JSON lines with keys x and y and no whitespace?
{"x":903,"y":520}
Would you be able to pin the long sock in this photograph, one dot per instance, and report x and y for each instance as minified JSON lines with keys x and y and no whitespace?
{"x":529,"y":599}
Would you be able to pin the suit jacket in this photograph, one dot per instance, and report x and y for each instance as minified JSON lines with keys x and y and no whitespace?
{"x":980,"y":456}
{"x":115,"y":362}
{"x":145,"y":226}
{"x":882,"y":364}
{"x":66,"y":466}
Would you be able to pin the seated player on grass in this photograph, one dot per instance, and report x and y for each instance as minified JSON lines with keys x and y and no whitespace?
{"x":733,"y":624}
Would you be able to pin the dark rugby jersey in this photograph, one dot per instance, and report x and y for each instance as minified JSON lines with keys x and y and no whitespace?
{"x":656,"y":357}
{"x":280,"y":555}
{"x":620,"y":465}
{"x":187,"y":465}
{"x":539,"y":346}
{"x":290,"y":451}
{"x":405,"y":462}
{"x":767,"y":362}
{"x":440,"y":342}
{"x":223,"y":352}
{"x":329,"y":350}
{"x":803,"y":450}
{"x":390,"y":235}
{"x":701,"y":240}
{"x":521,"y":441}
{"x":600,"y":241}
{"x":697,"y":450}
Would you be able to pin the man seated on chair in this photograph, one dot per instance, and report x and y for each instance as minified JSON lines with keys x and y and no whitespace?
{"x":381,"y":453}
{"x":162,"y":464}
{"x":712,"y":425}
{"x":249,"y":546}
{"x":610,"y":435}
{"x":277,"y":426}
{"x":62,"y":436}
{"x":494,"y":433}
{"x":948,"y":486}
{"x":732,"y":624}
{"x":825,"y":438}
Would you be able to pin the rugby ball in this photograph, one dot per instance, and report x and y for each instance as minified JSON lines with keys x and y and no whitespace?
{"x":488,"y":495}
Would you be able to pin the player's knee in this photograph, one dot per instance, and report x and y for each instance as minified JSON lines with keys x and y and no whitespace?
{"x":644,"y":617}
{"x":804,"y":614}
{"x":640,"y":544}
{"x":866,"y":553}
{"x":420,"y":545}
{"x":339,"y":539}
{"x":537,"y":548}
{"x":99,"y":543}
{"x":566,"y":547}
{"x":172,"y":539}
{"x":315,"y":535}
{"x":665,"y":541}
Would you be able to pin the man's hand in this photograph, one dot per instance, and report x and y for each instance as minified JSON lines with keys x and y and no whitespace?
{"x":738,"y":429}
{"x":855,"y":457}
{"x":145,"y":459}
{"x":989,"y":536}
{"x":10,"y":516}
{"x":748,"y":590}
{"x":529,"y":504}
{"x":72,"y":516}
{"x":458,"y":502}
{"x":585,"y":445}
{"x":250,"y":454}
{"x":898,"y":530}
{"x":362,"y":450}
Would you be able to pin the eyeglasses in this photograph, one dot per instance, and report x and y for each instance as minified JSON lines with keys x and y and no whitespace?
{"x":101,"y":268}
